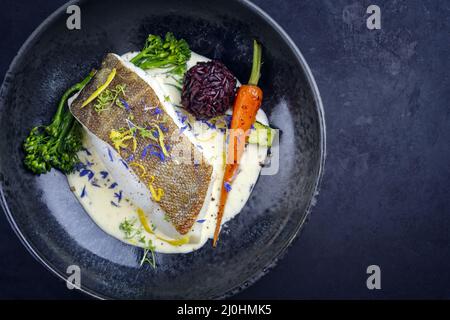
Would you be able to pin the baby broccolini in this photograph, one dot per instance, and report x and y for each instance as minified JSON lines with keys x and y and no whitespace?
{"x":164,"y":53}
{"x":56,"y":145}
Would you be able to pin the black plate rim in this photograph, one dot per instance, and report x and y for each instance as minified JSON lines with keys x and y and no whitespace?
{"x":322,"y":131}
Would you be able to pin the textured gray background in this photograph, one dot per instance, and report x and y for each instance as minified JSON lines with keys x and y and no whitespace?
{"x":385,"y":194}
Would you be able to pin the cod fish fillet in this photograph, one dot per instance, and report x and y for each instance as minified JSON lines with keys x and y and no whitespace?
{"x":167,"y":189}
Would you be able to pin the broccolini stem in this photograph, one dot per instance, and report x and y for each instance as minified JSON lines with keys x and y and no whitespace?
{"x":66,"y":127}
{"x":73,"y":89}
{"x":137,"y":58}
{"x":73,"y":129}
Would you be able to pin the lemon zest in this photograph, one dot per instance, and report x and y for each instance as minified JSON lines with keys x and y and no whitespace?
{"x":177,"y":242}
{"x":143,"y":220}
{"x":119,"y":137}
{"x":224,"y":159}
{"x":158,"y":193}
{"x":145,"y":224}
{"x":99,"y":90}
{"x":161,"y":139}
{"x":212,"y":136}
{"x":141,"y":167}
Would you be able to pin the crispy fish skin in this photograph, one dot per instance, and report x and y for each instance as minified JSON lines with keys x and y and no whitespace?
{"x":185,"y":183}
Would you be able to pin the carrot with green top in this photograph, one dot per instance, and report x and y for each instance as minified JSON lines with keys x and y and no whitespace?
{"x":246,"y":105}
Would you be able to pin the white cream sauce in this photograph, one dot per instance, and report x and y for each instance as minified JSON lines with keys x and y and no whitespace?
{"x":109,"y":205}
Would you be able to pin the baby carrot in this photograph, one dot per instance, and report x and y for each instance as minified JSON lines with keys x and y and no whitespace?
{"x":246,"y":105}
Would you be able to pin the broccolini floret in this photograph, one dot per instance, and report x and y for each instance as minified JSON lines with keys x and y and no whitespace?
{"x":56,"y":145}
{"x":164,"y":53}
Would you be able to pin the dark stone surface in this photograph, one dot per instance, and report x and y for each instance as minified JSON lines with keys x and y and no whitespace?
{"x":385,"y":194}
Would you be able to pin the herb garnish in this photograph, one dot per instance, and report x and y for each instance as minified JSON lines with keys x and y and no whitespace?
{"x":133,"y":233}
{"x":149,"y":249}
{"x":108,"y":98}
{"x":127,"y":227}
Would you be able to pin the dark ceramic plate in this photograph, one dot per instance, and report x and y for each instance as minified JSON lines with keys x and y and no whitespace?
{"x":54,"y":227}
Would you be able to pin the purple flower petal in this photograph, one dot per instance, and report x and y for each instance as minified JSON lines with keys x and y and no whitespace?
{"x":79,"y":166}
{"x":227,"y":186}
{"x":157,"y":111}
{"x":163,"y":128}
{"x":209,"y":124}
{"x":124,"y":163}
{"x":125,"y":104}
{"x":118,"y":195}
{"x":182,"y":129}
{"x":95,"y":184}
{"x":83,"y":192}
{"x":113,"y":185}
{"x":87,"y":172}
{"x":110,"y":155}
{"x":114,"y":204}
{"x":154,"y":150}
{"x":87,"y":152}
